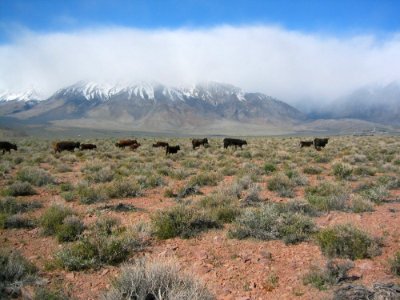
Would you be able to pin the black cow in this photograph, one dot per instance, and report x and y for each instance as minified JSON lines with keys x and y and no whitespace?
{"x":172,"y":149}
{"x":320,"y":143}
{"x":7,"y":146}
{"x":198,"y":142}
{"x":160,"y":144}
{"x":234,"y":142}
{"x":65,"y":145}
{"x":306,"y":144}
{"x":88,"y":146}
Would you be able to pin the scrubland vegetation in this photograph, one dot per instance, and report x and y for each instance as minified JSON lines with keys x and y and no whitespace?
{"x":145,"y":219}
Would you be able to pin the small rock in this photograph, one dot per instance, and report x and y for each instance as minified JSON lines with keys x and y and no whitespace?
{"x":70,"y":276}
{"x":105,"y":271}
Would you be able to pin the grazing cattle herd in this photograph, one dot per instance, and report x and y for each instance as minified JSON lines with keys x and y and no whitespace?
{"x":318,"y":144}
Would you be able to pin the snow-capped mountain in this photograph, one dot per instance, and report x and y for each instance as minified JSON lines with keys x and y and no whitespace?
{"x":209,"y":91}
{"x":28,"y":95}
{"x":14,"y":102}
{"x":151,"y":106}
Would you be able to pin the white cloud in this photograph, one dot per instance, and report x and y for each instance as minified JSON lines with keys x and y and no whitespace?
{"x":286,"y":64}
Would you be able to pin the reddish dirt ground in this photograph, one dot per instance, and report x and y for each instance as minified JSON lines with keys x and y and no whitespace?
{"x":230,"y":268}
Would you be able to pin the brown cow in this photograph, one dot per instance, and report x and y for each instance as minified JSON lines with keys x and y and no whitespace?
{"x":65,"y":145}
{"x":88,"y":146}
{"x":134,"y":146}
{"x":306,"y":144}
{"x":125,"y":143}
{"x":172,"y":149}
{"x":198,"y":142}
{"x":7,"y":146}
{"x":160,"y":144}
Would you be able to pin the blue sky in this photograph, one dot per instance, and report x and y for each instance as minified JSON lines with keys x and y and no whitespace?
{"x":292,"y":50}
{"x":336,"y":16}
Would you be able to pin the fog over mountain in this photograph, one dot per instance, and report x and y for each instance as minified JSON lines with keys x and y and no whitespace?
{"x":287,"y":64}
{"x":380,"y":104}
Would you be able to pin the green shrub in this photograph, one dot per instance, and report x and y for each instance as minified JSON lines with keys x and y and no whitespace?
{"x":376,"y":193}
{"x":100,"y":176}
{"x":347,"y":241}
{"x":169,"y":193}
{"x":364,"y":171}
{"x":360,"y":205}
{"x":333,"y":273}
{"x":312,"y":170}
{"x":298,"y":206}
{"x":105,"y":244}
{"x":181,"y":221}
{"x":203,"y":179}
{"x":68,"y":196}
{"x":43,"y":294}
{"x":252,"y":197}
{"x":15,"y":221}
{"x":269,"y":168}
{"x":342,"y":171}
{"x":11,"y":206}
{"x":15,"y":272}
{"x":52,"y":219}
{"x":90,"y":195}
{"x":19,"y":188}
{"x":269,"y":223}
{"x":70,"y":229}
{"x":35,"y":176}
{"x":156,"y":280}
{"x":281,"y":184}
{"x":327,"y":197}
{"x":124,"y":189}
{"x":296,"y":178}
{"x":149,"y":181}
{"x":220,"y":206}
{"x":66,"y":187}
{"x":322,"y":159}
{"x":189,"y":190}
{"x":395,"y":264}
{"x":79,"y":256}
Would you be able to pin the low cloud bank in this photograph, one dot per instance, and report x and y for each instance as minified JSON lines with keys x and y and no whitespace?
{"x":289,"y":65}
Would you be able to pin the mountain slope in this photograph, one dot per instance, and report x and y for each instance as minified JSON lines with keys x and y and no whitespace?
{"x":152,"y":106}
